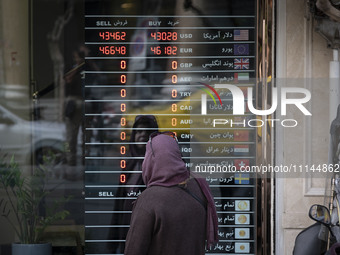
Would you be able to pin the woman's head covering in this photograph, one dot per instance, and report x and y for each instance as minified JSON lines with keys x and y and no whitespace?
{"x":163,"y":166}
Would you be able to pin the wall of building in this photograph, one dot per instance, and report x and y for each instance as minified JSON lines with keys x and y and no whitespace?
{"x":14,"y":42}
{"x":14,"y":71}
{"x":302,"y":59}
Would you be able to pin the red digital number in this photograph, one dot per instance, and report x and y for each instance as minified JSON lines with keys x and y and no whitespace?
{"x":123,"y":78}
{"x":154,"y":35}
{"x":123,"y":50}
{"x":123,"y":122}
{"x":123,"y":92}
{"x":102,"y":35}
{"x":119,"y":36}
{"x":122,"y":163}
{"x":112,"y":50}
{"x":122,"y":178}
{"x":174,"y":78}
{"x":122,"y":150}
{"x":156,"y":50}
{"x":174,"y":93}
{"x":174,"y":36}
{"x":174,"y":107}
{"x":174,"y":65}
{"x":122,"y":136}
{"x":164,"y":36}
{"x":174,"y":122}
{"x":170,"y":50}
{"x":167,"y":50}
{"x":123,"y":64}
{"x":123,"y":107}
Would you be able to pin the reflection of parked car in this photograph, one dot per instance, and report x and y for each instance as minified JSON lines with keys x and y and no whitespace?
{"x":25,"y":139}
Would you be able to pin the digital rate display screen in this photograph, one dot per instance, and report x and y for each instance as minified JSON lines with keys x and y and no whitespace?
{"x":154,"y":65}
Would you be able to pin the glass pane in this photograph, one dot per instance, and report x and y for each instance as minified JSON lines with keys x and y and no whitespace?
{"x":147,"y":66}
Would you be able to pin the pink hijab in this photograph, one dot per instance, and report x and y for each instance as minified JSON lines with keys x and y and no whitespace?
{"x":163,"y":166}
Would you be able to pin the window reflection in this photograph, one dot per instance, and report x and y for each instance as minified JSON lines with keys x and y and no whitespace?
{"x":59,"y":121}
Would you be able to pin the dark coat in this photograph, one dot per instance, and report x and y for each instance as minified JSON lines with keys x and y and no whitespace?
{"x":168,"y":221}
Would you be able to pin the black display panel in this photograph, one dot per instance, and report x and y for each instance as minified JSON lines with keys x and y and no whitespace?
{"x":158,"y":59}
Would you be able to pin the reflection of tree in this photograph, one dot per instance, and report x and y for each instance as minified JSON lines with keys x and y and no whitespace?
{"x":56,"y":54}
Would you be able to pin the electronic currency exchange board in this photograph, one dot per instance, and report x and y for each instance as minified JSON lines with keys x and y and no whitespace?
{"x":160,"y":61}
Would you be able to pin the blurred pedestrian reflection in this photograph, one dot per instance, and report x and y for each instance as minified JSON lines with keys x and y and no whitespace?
{"x":143,"y":126}
{"x":74,"y":105}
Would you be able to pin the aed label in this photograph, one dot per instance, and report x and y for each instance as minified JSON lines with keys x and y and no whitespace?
{"x":185,"y":79}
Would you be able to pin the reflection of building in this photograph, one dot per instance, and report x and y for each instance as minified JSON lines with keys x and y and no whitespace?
{"x":296,"y":52}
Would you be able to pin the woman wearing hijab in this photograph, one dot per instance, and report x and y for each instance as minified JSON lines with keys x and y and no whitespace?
{"x":176,"y":213}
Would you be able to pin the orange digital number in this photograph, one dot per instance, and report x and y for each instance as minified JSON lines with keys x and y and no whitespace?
{"x":122,"y":178}
{"x":123,"y":122}
{"x":122,"y":136}
{"x":174,"y":65}
{"x":174,"y":122}
{"x":123,"y":64}
{"x":123,"y":163}
{"x":123,"y":107}
{"x":174,"y":79}
{"x":174,"y":107}
{"x":122,"y":150}
{"x":123,"y":92}
{"x":174,"y":93}
{"x":123,"y":78}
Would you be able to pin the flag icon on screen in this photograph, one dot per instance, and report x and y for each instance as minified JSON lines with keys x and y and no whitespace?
{"x":241,"y":178}
{"x":242,"y":233}
{"x":241,"y":49}
{"x":241,"y":77}
{"x":241,"y":163}
{"x":242,"y":248}
{"x":241,"y":35}
{"x":241,"y":149}
{"x":241,"y":63}
{"x":241,"y":135}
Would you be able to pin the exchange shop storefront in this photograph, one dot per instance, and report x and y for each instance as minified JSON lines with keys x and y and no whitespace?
{"x":91,"y":79}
